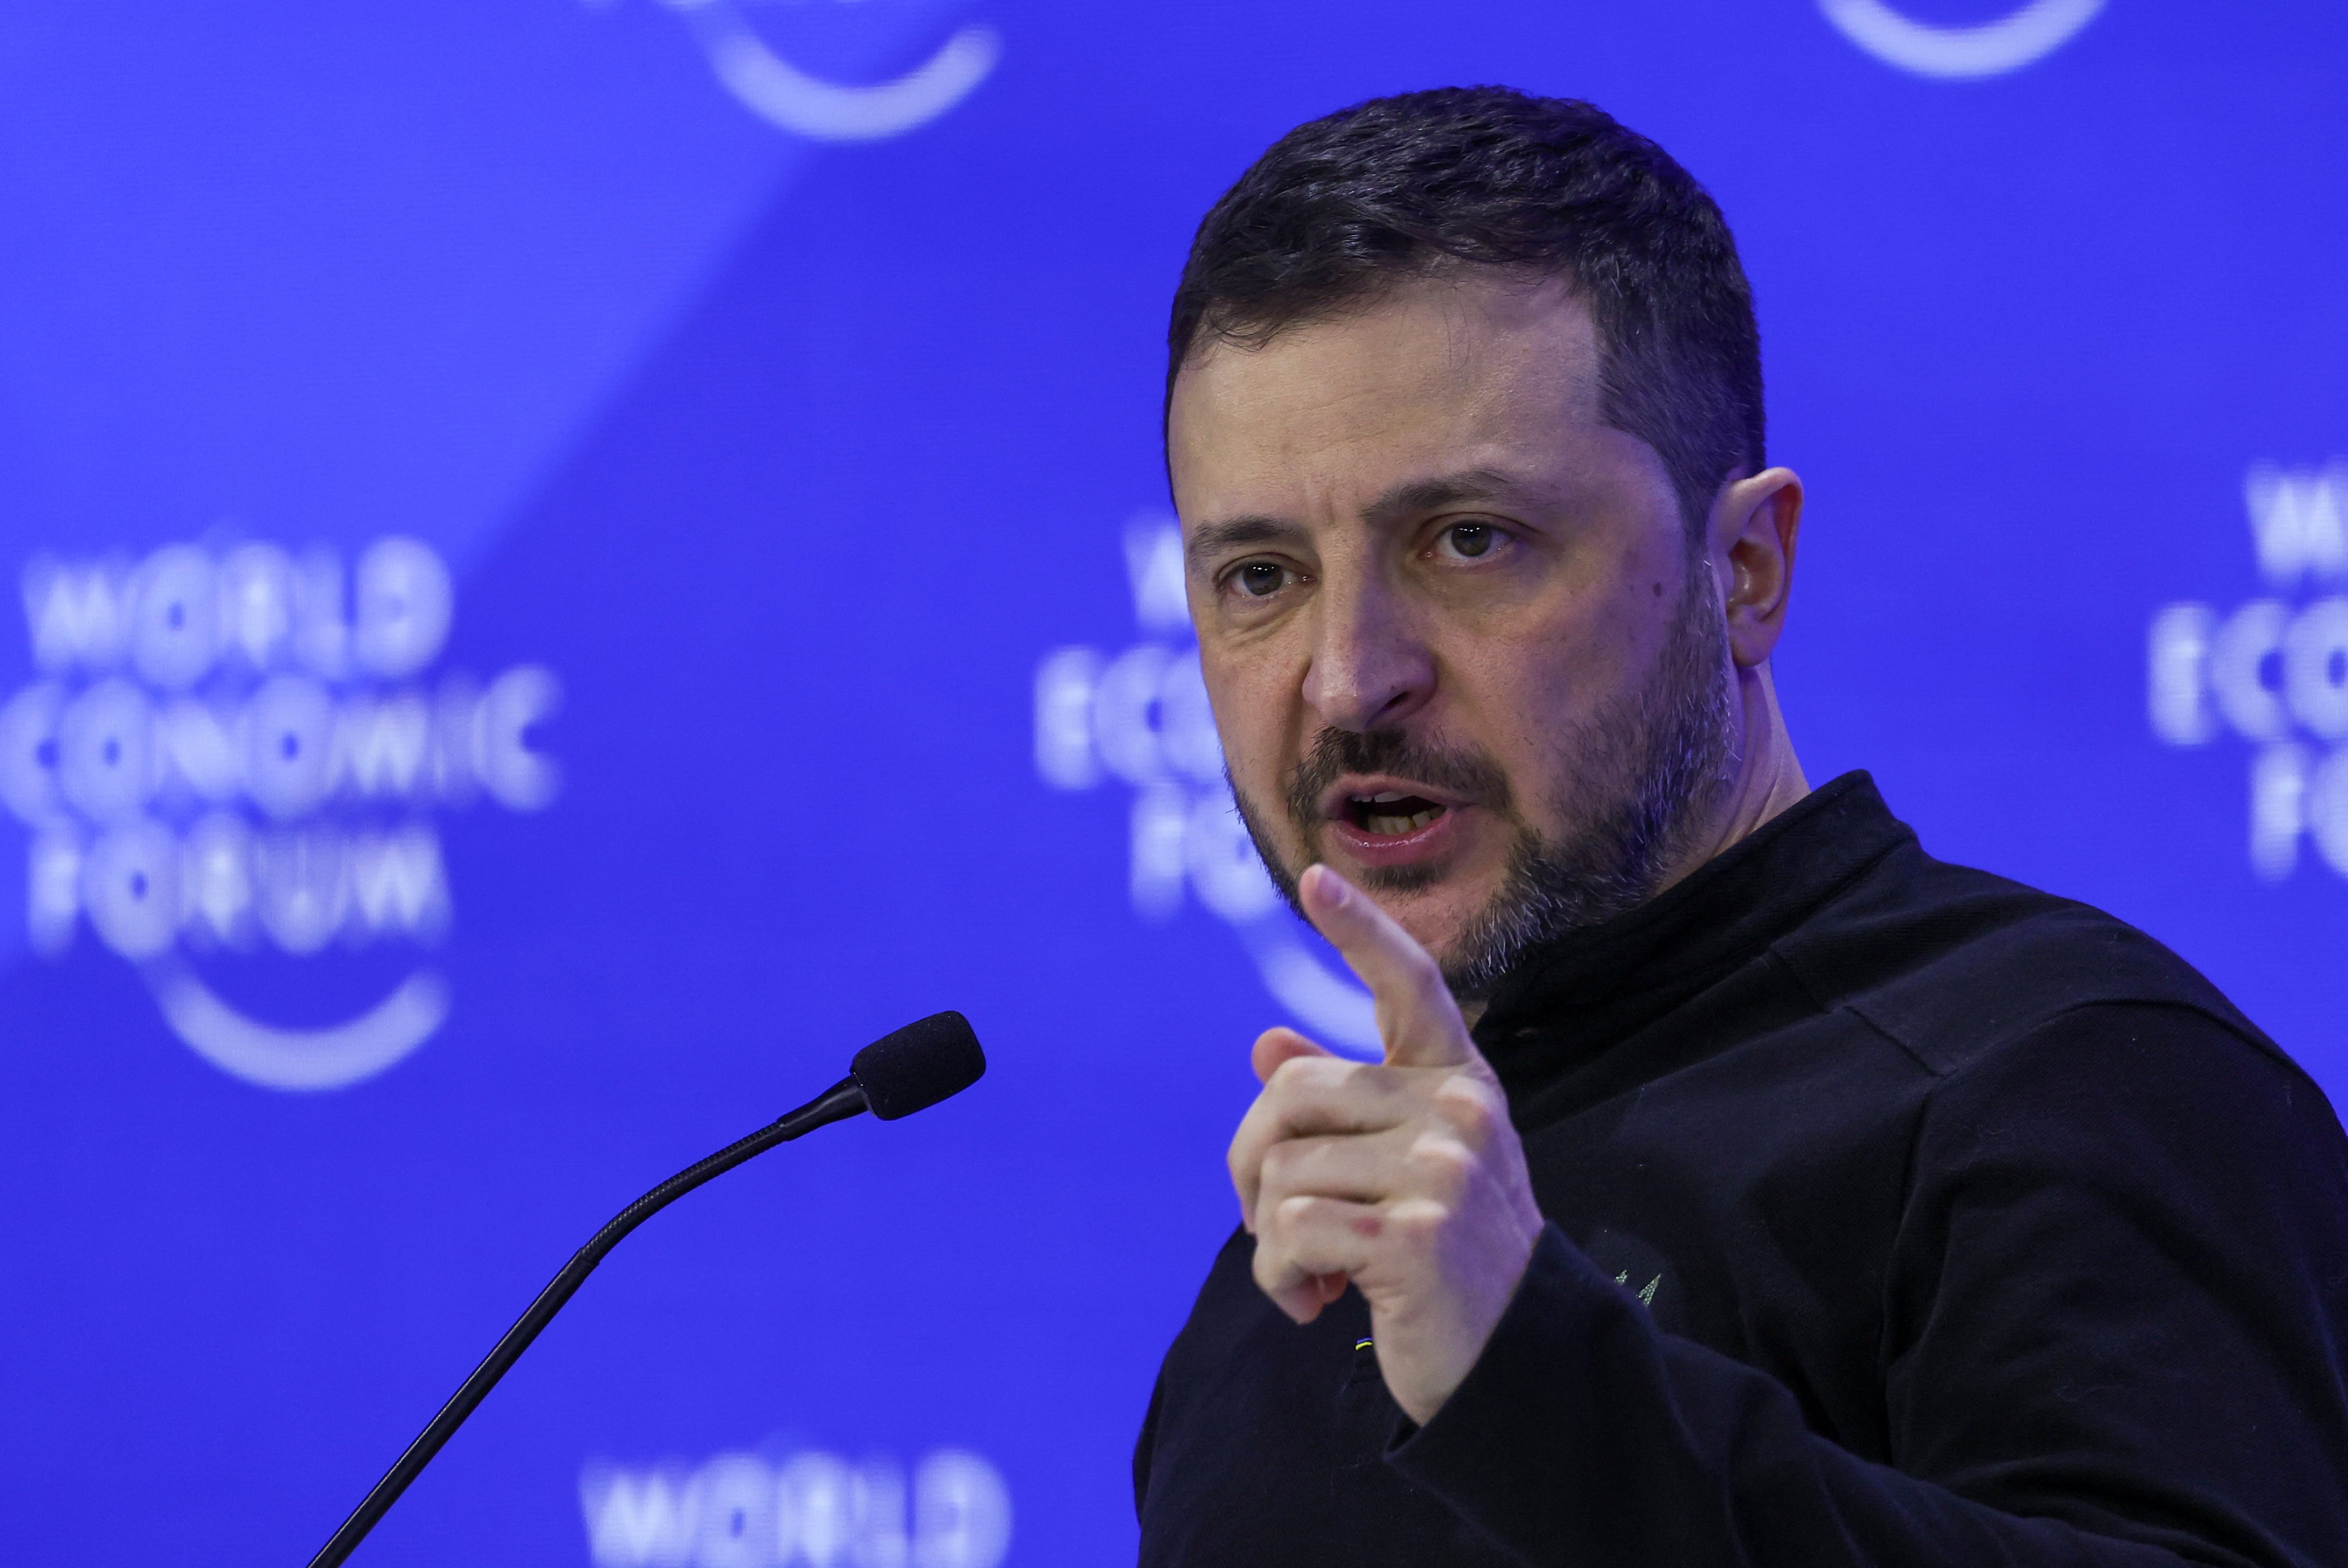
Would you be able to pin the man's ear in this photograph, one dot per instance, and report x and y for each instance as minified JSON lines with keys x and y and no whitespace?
{"x":1755,"y":522}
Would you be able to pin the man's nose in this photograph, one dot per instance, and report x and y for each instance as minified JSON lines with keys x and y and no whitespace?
{"x":1370,"y":667}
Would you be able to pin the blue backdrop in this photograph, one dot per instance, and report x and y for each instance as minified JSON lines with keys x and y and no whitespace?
{"x":581,"y":560}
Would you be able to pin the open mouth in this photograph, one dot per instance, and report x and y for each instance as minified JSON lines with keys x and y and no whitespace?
{"x":1390,"y":813}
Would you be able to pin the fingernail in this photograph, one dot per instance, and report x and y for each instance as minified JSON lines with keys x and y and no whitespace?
{"x":1332,"y":889}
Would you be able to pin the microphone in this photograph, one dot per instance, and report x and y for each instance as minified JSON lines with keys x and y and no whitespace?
{"x":926,"y":1061}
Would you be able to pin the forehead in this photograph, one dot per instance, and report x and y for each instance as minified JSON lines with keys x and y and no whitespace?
{"x":1452,"y":372}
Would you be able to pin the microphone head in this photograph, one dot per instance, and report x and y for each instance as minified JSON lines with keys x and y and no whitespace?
{"x":926,"y":1061}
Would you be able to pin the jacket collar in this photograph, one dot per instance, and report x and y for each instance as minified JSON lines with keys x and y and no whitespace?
{"x":1608,"y":979}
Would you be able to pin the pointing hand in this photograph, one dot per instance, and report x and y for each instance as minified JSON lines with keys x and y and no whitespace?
{"x":1403,"y":1177}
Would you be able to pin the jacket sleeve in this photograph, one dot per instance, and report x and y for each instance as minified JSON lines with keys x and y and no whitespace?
{"x":2113,"y":1335}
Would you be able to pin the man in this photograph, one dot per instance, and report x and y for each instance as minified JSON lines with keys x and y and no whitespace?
{"x":1741,"y":1185}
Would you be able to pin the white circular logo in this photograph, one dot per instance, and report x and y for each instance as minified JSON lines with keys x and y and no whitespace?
{"x":332,"y":1058}
{"x":242,"y":750}
{"x":1988,"y":49}
{"x":775,"y":90}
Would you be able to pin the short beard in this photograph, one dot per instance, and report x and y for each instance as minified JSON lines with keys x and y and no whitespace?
{"x":1644,"y":777}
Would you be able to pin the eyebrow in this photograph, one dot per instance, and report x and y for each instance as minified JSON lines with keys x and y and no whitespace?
{"x":1237,"y":533}
{"x":1415,"y":495}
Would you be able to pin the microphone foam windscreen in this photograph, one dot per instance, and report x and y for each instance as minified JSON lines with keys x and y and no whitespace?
{"x":923,"y":1063}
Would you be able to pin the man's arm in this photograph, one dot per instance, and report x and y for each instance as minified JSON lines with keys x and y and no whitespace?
{"x":2115,"y":1334}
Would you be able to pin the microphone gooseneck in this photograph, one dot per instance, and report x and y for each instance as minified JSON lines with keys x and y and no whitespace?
{"x":914,"y":1069}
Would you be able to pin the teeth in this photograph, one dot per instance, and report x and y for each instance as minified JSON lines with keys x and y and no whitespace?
{"x":1388,"y":798}
{"x":1395,"y":827}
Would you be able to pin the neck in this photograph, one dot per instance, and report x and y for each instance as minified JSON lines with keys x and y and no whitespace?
{"x":1769,"y":777}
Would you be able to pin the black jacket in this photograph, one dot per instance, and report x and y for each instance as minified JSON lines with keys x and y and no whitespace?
{"x":1899,"y":1216}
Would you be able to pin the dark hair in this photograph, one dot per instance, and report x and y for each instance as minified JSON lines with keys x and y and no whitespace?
{"x":1343,"y":207}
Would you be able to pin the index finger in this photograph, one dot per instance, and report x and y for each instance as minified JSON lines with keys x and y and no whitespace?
{"x":1418,"y":1021}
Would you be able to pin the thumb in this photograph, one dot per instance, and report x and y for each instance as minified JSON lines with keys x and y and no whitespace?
{"x":1277,"y":1047}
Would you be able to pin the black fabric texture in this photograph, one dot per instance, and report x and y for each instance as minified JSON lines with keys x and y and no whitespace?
{"x":1899,"y":1215}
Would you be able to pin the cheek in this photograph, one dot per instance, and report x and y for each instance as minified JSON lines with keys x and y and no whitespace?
{"x":1520,"y":689}
{"x":1254,"y":707}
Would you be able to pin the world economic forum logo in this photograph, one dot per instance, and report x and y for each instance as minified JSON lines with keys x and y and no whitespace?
{"x":1984,"y":50}
{"x":2273,"y":671}
{"x":790,"y":1506}
{"x":1139,"y":718}
{"x":761,"y":76}
{"x":240,"y":750}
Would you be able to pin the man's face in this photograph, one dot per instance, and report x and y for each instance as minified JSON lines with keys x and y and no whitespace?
{"x":1457,"y":643}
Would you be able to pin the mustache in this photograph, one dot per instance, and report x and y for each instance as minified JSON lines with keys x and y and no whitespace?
{"x":1456,"y":769}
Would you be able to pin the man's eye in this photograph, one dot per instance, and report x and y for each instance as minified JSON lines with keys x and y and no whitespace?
{"x":1470,"y":538}
{"x":1260,"y":578}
